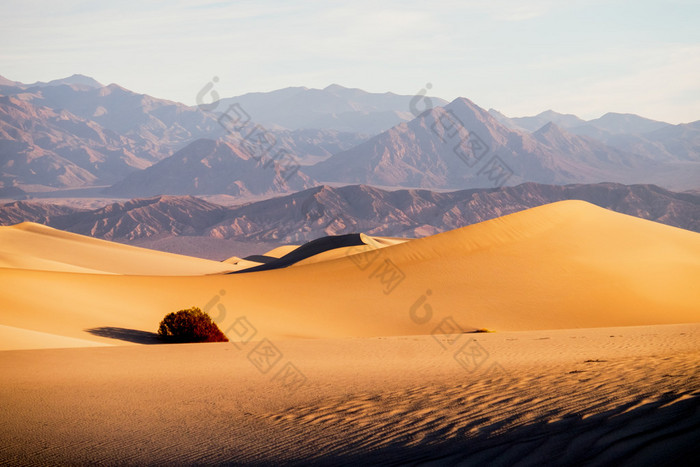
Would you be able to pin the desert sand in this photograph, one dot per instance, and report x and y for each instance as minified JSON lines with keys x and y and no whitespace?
{"x":616,"y":396}
{"x":564,"y":265}
{"x":33,"y":246}
{"x":361,"y":353}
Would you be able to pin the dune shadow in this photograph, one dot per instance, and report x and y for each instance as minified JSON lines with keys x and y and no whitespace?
{"x":660,"y":432}
{"x":307,"y":250}
{"x":129,"y":335}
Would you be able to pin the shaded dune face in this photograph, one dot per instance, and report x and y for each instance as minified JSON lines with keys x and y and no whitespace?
{"x":305,"y":251}
{"x":564,"y":265}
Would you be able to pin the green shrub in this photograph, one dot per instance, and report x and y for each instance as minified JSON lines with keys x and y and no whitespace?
{"x":191,"y":325}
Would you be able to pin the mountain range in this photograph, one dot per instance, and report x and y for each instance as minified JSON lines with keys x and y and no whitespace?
{"x":331,"y":108}
{"x":326,"y":210}
{"x":455,"y":146}
{"x":215,"y":166}
{"x":75,"y":132}
{"x":626,"y":132}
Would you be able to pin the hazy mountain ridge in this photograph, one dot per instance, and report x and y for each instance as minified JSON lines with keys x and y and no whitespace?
{"x":436,"y":150}
{"x":35,"y":211}
{"x":332,"y":108}
{"x":534,"y":123}
{"x":627,"y":132}
{"x":325,"y":210}
{"x":76,"y":79}
{"x":144,"y":218}
{"x":210,"y":167}
{"x":157,"y":126}
{"x":74,"y":132}
{"x":415,"y":213}
{"x":42,"y":146}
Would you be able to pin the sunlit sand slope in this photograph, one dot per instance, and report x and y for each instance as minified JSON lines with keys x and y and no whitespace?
{"x":35,"y":246}
{"x":17,"y":338}
{"x":564,"y":265}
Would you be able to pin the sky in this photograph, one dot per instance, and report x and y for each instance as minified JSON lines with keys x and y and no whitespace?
{"x":521,"y":58}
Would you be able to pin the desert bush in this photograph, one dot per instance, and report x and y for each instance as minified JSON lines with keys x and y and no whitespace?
{"x":190,"y":325}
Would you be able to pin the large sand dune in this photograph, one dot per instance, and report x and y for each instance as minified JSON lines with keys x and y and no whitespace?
{"x":37,"y":247}
{"x":564,"y":265}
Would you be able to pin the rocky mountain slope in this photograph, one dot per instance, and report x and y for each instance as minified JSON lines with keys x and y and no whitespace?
{"x":463,"y":146}
{"x":209,"y":167}
{"x":74,"y":132}
{"x":325,"y":210}
{"x":333,"y":108}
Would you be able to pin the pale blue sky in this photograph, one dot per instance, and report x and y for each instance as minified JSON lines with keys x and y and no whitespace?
{"x":577,"y":56}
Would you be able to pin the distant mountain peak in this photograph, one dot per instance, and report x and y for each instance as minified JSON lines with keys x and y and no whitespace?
{"x":557,"y":116}
{"x":334,"y":87}
{"x":73,"y":80}
{"x":111,"y":89}
{"x":618,"y":115}
{"x":116,"y":86}
{"x":626,"y":123}
{"x":8,"y":82}
{"x":495,"y":113}
{"x":208,"y":166}
{"x":466,"y":102}
{"x":78,"y":79}
{"x":534,"y":123}
{"x":549,"y":127}
{"x":462,"y":104}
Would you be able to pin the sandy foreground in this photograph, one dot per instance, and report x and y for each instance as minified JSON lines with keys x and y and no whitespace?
{"x":623,"y":396}
{"x":361,"y":353}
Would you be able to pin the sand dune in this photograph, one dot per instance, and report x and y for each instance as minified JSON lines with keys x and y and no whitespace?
{"x":281,"y":250}
{"x":34,"y":246}
{"x":564,"y":265}
{"x":313,"y":249}
{"x":372,"y":242}
{"x":246,"y":263}
{"x":17,"y":338}
{"x":238,"y":264}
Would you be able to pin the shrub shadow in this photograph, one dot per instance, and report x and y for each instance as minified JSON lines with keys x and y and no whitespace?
{"x":129,"y":335}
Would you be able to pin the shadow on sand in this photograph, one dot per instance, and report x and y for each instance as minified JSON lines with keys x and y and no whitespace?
{"x":129,"y":335}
